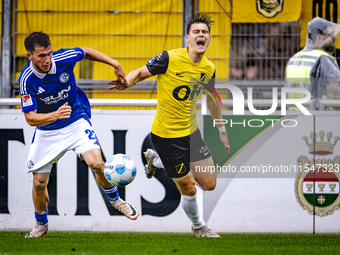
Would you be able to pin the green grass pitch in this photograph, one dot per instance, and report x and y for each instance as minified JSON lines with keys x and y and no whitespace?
{"x":88,"y":243}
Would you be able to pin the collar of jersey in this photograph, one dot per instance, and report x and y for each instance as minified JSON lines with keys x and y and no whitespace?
{"x":53,"y":70}
{"x":185,"y":50}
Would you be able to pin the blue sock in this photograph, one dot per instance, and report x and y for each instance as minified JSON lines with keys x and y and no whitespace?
{"x":41,"y":218}
{"x":112,"y":193}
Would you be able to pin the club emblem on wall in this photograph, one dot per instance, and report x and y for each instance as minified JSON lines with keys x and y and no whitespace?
{"x":317,"y":183}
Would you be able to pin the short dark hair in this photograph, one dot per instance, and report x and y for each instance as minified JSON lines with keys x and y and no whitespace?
{"x":37,"y":39}
{"x":200,"y":18}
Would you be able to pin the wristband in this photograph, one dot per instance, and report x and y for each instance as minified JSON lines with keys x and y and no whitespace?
{"x":221,"y":129}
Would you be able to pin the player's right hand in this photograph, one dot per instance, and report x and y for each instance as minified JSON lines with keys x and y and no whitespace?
{"x":225,"y":141}
{"x":120,"y":74}
{"x":64,"y":111}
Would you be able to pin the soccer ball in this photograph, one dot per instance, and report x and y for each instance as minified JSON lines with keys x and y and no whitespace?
{"x":120,"y":170}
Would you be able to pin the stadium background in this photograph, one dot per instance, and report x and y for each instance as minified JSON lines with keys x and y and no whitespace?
{"x":248,"y":50}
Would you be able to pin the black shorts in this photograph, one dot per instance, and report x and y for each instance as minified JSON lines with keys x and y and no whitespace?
{"x":177,"y":153}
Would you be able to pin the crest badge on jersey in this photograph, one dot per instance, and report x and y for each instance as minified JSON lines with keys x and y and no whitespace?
{"x":269,"y":8}
{"x":317,"y":184}
{"x":26,"y":100}
{"x":63,"y":78}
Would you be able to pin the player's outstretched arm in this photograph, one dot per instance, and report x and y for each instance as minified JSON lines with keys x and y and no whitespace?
{"x":216,"y":113}
{"x":41,"y":119}
{"x":132,"y":78}
{"x":95,"y":55}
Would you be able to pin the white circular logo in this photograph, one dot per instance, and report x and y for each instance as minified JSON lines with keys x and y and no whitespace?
{"x":30,"y":164}
{"x":64,"y":77}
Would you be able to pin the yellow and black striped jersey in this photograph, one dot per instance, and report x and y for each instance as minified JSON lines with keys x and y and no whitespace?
{"x":180,"y":82}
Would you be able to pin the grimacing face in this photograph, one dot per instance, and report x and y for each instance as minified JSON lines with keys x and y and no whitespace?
{"x":198,"y":37}
{"x":41,"y":58}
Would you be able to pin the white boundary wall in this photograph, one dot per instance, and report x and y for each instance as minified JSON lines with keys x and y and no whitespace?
{"x":241,"y":205}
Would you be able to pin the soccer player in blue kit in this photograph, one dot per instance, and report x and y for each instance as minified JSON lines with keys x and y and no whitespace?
{"x":61,"y":112}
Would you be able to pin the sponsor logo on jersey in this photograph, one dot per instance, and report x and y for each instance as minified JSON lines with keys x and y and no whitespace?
{"x":159,"y":56}
{"x":63,"y":78}
{"x":54,"y":99}
{"x":26,"y":100}
{"x":269,"y":8}
{"x":40,"y":90}
{"x":317,"y":183}
{"x":204,"y":150}
{"x":180,"y":74}
{"x":151,"y":61}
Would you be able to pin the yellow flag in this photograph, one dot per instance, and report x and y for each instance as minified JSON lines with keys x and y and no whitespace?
{"x":266,"y":11}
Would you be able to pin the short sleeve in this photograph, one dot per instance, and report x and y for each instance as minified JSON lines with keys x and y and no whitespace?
{"x":158,"y":64}
{"x":28,"y":100}
{"x":80,"y":53}
{"x":69,"y":55}
{"x":211,"y":82}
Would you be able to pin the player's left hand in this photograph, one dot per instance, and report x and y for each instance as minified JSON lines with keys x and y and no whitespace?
{"x":225,"y":141}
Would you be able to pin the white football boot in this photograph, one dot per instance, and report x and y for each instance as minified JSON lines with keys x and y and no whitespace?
{"x":150,"y":169}
{"x":128,"y":210}
{"x":38,"y":231}
{"x":204,"y":232}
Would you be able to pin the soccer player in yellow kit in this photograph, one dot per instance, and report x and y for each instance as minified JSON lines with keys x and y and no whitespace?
{"x":182,"y":74}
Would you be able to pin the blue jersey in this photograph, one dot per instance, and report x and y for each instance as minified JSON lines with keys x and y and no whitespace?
{"x":46,"y":92}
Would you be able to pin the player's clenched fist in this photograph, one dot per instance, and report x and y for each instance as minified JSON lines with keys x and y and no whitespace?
{"x":64,"y":111}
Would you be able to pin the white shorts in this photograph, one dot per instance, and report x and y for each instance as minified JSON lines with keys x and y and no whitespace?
{"x":48,"y":146}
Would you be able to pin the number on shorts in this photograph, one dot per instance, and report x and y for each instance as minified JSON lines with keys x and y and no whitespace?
{"x":92,"y":135}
